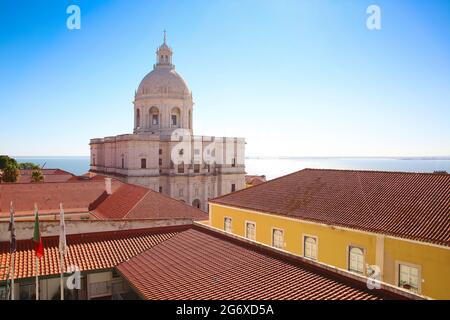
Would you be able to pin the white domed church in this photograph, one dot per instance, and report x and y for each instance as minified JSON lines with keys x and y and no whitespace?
{"x":162,"y":153}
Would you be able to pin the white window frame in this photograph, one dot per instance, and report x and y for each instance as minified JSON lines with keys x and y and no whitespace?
{"x":349,"y":248}
{"x":411,"y":265}
{"x":304,"y":236}
{"x":273,"y":238}
{"x":246,"y":229}
{"x":231,"y":224}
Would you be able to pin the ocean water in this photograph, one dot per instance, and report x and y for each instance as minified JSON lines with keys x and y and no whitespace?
{"x":275,"y":167}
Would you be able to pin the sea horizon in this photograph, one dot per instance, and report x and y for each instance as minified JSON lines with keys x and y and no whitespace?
{"x":273,"y":167}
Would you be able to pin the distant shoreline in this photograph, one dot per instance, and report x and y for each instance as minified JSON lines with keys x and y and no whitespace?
{"x":446,"y":158}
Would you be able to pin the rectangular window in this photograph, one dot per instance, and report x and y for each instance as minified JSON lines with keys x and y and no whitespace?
{"x":155,"y":120}
{"x":160,"y":162}
{"x":408,"y":277}
{"x":160,"y":189}
{"x":310,"y":247}
{"x":250,"y":230}
{"x":27,"y":291}
{"x":174,"y":120}
{"x":233,"y":162}
{"x":356,"y":259}
{"x":123,"y":163}
{"x":278,"y":238}
{"x":227,"y":225}
{"x":233,"y":187}
{"x":160,"y":151}
{"x":143,"y":163}
{"x":196,"y":168}
{"x":181,"y":168}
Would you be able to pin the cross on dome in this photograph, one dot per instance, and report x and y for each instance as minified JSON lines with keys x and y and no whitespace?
{"x":164,"y":53}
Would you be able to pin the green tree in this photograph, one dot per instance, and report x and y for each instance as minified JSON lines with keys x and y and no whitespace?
{"x":5,"y":160}
{"x":28,"y":166}
{"x":10,"y":173}
{"x":37,"y":176}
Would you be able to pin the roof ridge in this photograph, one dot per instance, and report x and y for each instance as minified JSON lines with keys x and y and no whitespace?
{"x":258,"y":185}
{"x":137,"y":202}
{"x":336,"y":170}
{"x":378,"y":171}
{"x":173,"y":199}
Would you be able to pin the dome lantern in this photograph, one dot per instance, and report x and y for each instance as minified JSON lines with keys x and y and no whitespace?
{"x":164,"y":54}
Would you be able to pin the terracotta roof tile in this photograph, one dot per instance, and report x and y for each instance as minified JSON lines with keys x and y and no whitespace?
{"x":255,"y":180}
{"x":127,"y":201}
{"x":198,"y":264}
{"x":74,"y":195}
{"x":410,"y":205}
{"x":50,"y":175}
{"x":134,"y":202}
{"x":89,"y":251}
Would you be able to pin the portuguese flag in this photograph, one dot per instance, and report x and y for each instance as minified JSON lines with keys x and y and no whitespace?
{"x":38,"y":246}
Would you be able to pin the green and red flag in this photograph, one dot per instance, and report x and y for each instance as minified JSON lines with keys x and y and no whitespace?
{"x":38,"y":246}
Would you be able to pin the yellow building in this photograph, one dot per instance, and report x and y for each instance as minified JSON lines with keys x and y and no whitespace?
{"x":388,"y":226}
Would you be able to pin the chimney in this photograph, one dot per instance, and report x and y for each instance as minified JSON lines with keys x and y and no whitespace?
{"x":108,"y":187}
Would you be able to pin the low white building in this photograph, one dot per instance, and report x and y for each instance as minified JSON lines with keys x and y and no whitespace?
{"x":162,"y":153}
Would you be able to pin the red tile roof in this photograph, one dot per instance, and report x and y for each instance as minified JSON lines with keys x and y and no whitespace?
{"x":135,"y":202}
{"x":409,"y":205}
{"x":76,"y":196}
{"x":199,"y":264}
{"x":255,"y":180}
{"x":50,"y":175}
{"x":127,"y":201}
{"x":89,"y":251}
{"x":118,"y":204}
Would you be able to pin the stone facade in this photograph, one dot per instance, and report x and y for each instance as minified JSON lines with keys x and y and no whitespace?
{"x":162,"y":153}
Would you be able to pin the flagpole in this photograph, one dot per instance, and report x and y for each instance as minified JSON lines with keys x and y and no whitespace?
{"x":12,"y":249}
{"x":12,"y":276}
{"x":61,"y":251}
{"x":37,"y":277}
{"x":61,"y":284}
{"x":36,"y":259}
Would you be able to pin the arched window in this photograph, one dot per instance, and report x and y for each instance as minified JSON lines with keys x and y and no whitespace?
{"x":138,"y":118}
{"x":175,"y":118}
{"x":190,"y":120}
{"x":154,"y":117}
{"x":196,"y":203}
{"x":310,"y":248}
{"x":356,"y":260}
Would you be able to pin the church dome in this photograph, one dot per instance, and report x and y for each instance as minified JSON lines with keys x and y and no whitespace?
{"x":163,"y":79}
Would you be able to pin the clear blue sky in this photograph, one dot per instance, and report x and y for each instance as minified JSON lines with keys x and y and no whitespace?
{"x":295,"y":78}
